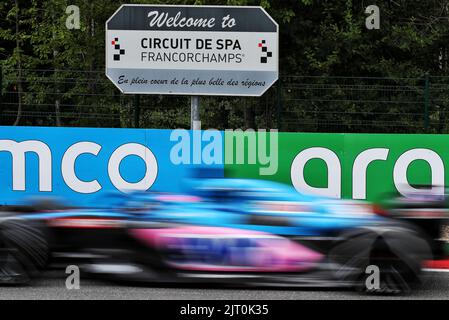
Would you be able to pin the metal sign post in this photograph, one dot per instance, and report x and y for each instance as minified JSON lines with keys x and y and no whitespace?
{"x":195,"y":113}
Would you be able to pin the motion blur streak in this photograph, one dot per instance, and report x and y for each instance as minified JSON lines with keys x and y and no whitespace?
{"x":228,"y":232}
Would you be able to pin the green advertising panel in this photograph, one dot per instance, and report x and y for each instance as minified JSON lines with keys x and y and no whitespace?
{"x":357,"y":166}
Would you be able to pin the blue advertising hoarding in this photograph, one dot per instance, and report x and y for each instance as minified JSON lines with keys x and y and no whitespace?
{"x":82,"y":165}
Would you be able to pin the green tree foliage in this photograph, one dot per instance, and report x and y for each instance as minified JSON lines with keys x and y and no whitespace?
{"x":318,"y":38}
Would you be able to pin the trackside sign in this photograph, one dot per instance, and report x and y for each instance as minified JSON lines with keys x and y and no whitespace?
{"x":357,"y":166}
{"x":82,"y":166}
{"x":192,"y":50}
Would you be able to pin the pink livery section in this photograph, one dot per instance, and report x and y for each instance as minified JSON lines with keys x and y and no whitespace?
{"x":227,"y":250}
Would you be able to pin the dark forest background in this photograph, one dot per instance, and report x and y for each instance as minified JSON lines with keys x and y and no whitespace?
{"x":336,"y":75}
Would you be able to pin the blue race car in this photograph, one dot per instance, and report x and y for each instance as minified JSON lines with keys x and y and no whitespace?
{"x":263,"y":206}
{"x":222,"y":230}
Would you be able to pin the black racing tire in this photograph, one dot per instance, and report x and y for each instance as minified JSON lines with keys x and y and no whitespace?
{"x":24,"y":251}
{"x":396,"y":276}
{"x":397,"y":252}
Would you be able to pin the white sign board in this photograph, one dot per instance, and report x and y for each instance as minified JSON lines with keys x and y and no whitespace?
{"x":192,"y":50}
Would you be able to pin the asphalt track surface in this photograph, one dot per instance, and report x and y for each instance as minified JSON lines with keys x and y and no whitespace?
{"x":52,"y":286}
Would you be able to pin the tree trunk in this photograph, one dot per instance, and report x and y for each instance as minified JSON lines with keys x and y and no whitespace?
{"x":19,"y":67}
{"x":224,"y":118}
{"x":55,"y":76}
{"x":58,"y":113}
{"x":57,"y":91}
{"x":250,"y":117}
{"x":19,"y":95}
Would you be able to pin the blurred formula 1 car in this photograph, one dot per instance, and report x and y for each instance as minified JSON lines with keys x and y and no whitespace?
{"x":225,"y":231}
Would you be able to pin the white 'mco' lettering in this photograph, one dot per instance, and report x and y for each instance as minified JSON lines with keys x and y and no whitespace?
{"x":68,"y":167}
{"x":137,"y":150}
{"x":17,"y":151}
